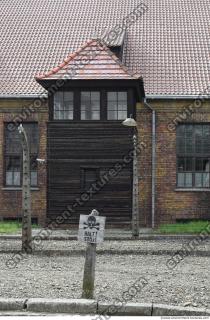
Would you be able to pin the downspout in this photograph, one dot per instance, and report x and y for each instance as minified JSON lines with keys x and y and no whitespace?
{"x":153,"y":159}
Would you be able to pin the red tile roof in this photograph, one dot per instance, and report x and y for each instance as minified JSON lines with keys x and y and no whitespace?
{"x":92,"y":61}
{"x":168,"y":45}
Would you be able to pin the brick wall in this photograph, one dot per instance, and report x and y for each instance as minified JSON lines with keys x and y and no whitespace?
{"x":11,"y":200}
{"x":171,"y":204}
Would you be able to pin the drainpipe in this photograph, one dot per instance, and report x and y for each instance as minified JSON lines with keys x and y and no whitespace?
{"x":153,"y":159}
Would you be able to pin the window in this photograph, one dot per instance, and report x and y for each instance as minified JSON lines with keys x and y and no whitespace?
{"x":63,"y":105}
{"x":13,"y":154}
{"x":117,"y":105}
{"x":89,"y":176}
{"x":12,"y":171}
{"x":90,"y":105}
{"x":193,"y":156}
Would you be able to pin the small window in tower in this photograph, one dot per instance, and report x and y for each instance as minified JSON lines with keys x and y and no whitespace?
{"x":117,"y":105}
{"x":63,"y":105}
{"x":90,"y":105}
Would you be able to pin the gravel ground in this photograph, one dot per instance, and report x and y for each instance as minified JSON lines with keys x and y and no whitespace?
{"x":112,"y":246}
{"x":58,"y":276}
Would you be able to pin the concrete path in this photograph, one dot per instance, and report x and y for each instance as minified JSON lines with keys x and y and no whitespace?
{"x":97,"y":309}
{"x":164,"y":246}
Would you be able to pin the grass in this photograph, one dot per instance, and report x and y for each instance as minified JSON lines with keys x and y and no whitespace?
{"x":191,"y":227}
{"x":7,"y":227}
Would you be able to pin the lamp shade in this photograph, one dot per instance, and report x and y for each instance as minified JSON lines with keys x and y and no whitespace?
{"x":20,"y":128}
{"x":129,"y":122}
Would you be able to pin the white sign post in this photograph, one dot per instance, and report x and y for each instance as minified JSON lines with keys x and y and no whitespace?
{"x":91,"y":231}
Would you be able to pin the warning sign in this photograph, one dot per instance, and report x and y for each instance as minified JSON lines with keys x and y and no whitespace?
{"x":91,"y":229}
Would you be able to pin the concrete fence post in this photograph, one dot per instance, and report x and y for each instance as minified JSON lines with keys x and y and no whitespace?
{"x":26,"y":193}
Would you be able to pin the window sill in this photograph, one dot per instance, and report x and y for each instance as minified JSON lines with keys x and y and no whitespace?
{"x":193,"y":189}
{"x":18,"y":189}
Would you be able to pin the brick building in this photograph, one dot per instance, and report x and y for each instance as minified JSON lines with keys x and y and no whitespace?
{"x":157,"y":68}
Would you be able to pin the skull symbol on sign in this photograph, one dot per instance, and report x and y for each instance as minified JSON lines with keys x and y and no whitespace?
{"x":91,"y":223}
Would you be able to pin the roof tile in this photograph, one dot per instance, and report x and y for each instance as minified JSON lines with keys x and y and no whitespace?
{"x":168,"y":45}
{"x":85,"y":65}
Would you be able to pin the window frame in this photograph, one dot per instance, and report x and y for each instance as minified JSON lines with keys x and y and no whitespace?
{"x":7,"y":155}
{"x":62,"y":109}
{"x":107,"y":100}
{"x":99,"y":111}
{"x":103,"y":113}
{"x":6,"y":158}
{"x":194,"y":156}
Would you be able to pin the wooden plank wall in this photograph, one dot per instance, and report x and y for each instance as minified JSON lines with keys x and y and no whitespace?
{"x":76,"y":145}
